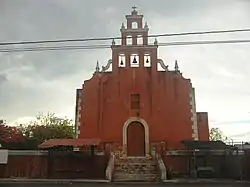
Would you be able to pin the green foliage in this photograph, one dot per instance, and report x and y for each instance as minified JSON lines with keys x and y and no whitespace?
{"x":48,"y":127}
{"x":31,"y":135}
{"x":24,"y":144}
{"x":216,"y":134}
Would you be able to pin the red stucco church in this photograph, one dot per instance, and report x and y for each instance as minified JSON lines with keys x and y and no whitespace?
{"x":136,"y":120}
{"x":135,"y":105}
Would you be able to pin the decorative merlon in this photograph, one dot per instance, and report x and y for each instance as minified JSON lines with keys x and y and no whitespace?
{"x":97,"y":68}
{"x":176,"y":66}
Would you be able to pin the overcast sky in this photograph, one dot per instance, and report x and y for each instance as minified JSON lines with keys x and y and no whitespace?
{"x":46,"y":81}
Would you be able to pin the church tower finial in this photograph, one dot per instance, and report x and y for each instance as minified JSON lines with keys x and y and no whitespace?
{"x":176,"y":66}
{"x":134,"y":12}
{"x":122,"y":27}
{"x":155,"y":42}
{"x":97,"y":68}
{"x":113,"y":41}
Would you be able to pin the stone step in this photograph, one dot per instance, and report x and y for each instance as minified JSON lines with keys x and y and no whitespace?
{"x":141,"y":168}
{"x":148,"y":162}
{"x":135,"y":169}
{"x":135,"y":165}
{"x":136,"y":159}
{"x":135,"y":172}
{"x":135,"y":177}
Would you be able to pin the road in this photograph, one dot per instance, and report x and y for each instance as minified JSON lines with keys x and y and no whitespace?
{"x":122,"y":185}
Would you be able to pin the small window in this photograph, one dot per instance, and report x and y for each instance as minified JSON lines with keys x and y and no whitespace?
{"x":134,"y":25}
{"x":139,"y":40}
{"x":122,"y":60}
{"x":134,"y":60}
{"x":135,"y":101}
{"x":147,"y":60}
{"x":129,"y":40}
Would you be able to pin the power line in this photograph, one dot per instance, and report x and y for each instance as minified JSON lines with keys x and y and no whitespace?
{"x":55,"y":48}
{"x":206,"y":42}
{"x":111,"y":38}
{"x":88,"y":47}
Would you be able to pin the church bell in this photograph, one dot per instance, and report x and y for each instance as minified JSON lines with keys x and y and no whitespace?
{"x":134,"y":61}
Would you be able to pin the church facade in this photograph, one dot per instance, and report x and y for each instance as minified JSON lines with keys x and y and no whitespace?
{"x":136,"y":105}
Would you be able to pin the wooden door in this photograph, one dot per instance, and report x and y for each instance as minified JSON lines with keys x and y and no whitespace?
{"x":136,"y":139}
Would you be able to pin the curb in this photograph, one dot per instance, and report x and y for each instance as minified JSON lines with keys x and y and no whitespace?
{"x":193,"y":182}
{"x":86,"y":181}
{"x":50,"y":181}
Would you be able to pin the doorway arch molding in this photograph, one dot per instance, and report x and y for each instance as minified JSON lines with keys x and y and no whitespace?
{"x":125,"y":133}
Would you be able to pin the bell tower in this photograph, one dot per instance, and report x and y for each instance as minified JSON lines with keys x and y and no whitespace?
{"x":134,"y":50}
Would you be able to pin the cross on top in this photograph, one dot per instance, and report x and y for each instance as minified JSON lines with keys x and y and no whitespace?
{"x":134,"y":7}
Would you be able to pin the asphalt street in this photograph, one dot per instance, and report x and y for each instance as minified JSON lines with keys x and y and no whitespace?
{"x":120,"y":185}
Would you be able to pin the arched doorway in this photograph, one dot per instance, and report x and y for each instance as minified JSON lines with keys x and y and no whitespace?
{"x":125,"y":133}
{"x":135,"y":139}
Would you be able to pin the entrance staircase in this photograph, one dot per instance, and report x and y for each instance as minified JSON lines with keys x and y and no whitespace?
{"x":135,"y":169}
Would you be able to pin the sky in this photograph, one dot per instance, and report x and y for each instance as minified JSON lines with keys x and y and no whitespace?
{"x":32,"y":82}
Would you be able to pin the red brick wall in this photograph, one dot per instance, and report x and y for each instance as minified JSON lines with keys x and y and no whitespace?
{"x":203,"y":129}
{"x":165,"y":104}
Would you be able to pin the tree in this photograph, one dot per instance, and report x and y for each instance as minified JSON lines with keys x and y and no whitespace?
{"x":48,"y":127}
{"x":31,"y":135}
{"x":9,"y":134}
{"x":216,"y":134}
{"x":11,"y":137}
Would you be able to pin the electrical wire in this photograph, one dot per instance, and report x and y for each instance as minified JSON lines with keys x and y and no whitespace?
{"x":205,"y":42}
{"x":111,"y":38}
{"x":89,"y":47}
{"x":27,"y":49}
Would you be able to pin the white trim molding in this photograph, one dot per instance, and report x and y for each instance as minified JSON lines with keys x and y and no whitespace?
{"x":78,"y":111}
{"x":125,"y":133}
{"x":195,"y":134}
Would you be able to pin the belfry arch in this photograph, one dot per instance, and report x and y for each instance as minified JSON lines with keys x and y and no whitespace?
{"x":125,"y":133}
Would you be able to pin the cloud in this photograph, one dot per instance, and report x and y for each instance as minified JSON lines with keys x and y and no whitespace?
{"x":46,"y":81}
